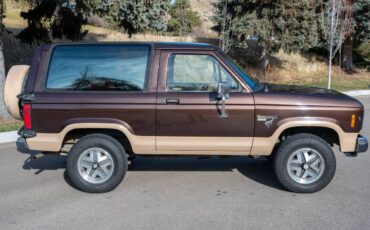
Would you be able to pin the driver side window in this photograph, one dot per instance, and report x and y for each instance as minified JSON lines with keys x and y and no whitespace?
{"x":196,"y":73}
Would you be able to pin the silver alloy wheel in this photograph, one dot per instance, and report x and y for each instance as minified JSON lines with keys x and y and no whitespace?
{"x":95,"y":165}
{"x":306,"y":166}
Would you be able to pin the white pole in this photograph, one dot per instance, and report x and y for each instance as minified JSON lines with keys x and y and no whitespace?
{"x":332,"y":34}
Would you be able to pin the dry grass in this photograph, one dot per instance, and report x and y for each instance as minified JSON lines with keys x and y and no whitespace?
{"x":299,"y":69}
{"x":12,"y":17}
{"x":104,"y":34}
{"x":303,"y":67}
{"x":14,"y":20}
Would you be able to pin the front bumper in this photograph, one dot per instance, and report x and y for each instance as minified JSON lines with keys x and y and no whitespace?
{"x":361,"y":146}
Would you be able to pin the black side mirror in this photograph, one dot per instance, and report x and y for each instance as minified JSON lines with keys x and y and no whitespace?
{"x":223,"y":91}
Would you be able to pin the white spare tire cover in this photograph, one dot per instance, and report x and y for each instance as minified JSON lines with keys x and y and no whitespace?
{"x":13,"y":87}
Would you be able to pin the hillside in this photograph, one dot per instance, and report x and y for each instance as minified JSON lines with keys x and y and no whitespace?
{"x":204,"y":9}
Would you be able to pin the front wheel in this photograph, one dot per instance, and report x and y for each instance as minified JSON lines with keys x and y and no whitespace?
{"x":96,"y":163}
{"x":304,"y":163}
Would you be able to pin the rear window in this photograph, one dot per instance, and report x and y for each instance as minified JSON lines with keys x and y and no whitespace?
{"x":98,"y":67}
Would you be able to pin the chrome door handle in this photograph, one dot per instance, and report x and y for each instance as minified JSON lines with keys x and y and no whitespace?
{"x":172,"y":101}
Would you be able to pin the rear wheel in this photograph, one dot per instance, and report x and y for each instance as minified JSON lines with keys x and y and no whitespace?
{"x":304,"y":163}
{"x":97,"y":163}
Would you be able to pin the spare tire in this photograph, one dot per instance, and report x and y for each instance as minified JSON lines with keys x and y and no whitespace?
{"x":13,"y":87}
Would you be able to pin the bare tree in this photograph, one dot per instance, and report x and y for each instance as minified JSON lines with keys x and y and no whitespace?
{"x":337,"y":25}
{"x":225,"y":41}
{"x":3,"y":111}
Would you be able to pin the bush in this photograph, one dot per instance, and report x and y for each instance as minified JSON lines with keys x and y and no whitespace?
{"x":364,"y":51}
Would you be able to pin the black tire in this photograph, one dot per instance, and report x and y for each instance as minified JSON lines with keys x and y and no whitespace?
{"x":295,"y":143}
{"x":117,"y":155}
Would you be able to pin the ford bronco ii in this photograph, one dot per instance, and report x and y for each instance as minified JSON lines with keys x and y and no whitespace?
{"x":105,"y":103}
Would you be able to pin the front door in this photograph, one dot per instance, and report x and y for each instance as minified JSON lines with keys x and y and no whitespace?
{"x":188,"y":113}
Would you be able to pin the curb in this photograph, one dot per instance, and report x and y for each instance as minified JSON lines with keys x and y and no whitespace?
{"x":12,"y":136}
{"x":6,"y":137}
{"x":355,"y":93}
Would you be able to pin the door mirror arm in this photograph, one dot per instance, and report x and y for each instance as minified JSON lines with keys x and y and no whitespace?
{"x":223,"y":91}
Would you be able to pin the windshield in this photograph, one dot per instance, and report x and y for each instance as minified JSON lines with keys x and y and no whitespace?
{"x":252,"y":82}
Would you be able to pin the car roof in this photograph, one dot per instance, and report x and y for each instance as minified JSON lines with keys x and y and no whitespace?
{"x":155,"y":45}
{"x":183,"y":45}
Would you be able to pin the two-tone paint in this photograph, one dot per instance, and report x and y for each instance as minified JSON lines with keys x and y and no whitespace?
{"x":154,"y":125}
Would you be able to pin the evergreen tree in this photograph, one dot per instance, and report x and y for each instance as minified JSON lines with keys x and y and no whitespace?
{"x":183,"y":18}
{"x":290,"y":25}
{"x":133,"y":16}
{"x":360,"y":32}
{"x":361,"y":22}
{"x":54,"y":17}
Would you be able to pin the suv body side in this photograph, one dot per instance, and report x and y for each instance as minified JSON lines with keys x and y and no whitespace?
{"x":153,"y":125}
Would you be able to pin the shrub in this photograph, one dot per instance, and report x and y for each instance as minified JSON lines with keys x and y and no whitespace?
{"x":364,"y":51}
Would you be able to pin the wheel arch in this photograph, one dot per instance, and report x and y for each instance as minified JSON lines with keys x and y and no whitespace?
{"x":72,"y":136}
{"x":53,"y":142}
{"x":265,"y":145}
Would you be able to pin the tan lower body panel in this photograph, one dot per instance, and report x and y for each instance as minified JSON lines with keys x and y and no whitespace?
{"x":186,"y":145}
{"x":204,"y":145}
{"x":169,"y":145}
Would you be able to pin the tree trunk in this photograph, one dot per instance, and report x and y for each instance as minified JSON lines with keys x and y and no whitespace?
{"x":3,"y":112}
{"x":348,"y":48}
{"x":348,"y":55}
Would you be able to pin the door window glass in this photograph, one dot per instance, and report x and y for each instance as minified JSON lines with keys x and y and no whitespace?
{"x":188,"y":72}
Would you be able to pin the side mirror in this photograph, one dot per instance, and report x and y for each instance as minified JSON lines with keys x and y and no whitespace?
{"x":223,"y":90}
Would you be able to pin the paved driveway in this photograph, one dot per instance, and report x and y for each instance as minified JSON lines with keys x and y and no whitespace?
{"x":182,"y":193}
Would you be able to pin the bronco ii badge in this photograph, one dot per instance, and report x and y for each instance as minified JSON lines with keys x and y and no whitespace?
{"x":267,"y":119}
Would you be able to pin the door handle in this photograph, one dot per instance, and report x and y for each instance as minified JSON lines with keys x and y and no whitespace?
{"x":172,"y":101}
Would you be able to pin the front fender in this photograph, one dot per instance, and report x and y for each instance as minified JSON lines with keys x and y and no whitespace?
{"x":265,"y":145}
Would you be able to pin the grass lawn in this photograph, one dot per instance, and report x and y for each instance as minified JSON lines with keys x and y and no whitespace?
{"x":342,"y":83}
{"x":10,"y":125}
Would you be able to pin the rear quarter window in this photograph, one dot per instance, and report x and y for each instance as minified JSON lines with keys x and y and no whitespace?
{"x":98,"y":67}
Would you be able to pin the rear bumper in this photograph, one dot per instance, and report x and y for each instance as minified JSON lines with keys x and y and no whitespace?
{"x":22,"y":145}
{"x":361,"y":146}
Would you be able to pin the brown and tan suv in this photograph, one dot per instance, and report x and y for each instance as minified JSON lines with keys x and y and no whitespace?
{"x":105,"y":103}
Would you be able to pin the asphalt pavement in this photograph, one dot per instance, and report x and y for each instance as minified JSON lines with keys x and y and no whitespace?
{"x":182,"y":193}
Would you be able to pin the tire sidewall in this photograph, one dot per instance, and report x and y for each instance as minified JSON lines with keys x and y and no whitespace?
{"x":108,"y":144}
{"x":281,"y":162}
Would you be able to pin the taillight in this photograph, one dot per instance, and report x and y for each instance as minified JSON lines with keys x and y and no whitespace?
{"x":27,"y":116}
